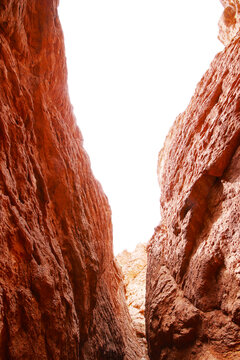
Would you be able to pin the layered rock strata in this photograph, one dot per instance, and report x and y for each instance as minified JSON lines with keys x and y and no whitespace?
{"x":61,"y":293}
{"x":134,"y":266}
{"x":193,"y":274}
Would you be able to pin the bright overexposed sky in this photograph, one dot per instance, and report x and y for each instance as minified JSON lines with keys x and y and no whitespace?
{"x":133,"y":66}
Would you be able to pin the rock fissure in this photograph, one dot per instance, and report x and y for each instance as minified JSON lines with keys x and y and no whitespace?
{"x":134,"y":266}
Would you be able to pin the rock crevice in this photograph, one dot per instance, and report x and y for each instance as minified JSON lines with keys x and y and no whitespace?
{"x":134,"y":266}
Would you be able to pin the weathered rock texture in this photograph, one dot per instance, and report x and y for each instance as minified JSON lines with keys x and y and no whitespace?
{"x":229,"y":23}
{"x":61,"y":295}
{"x":193,"y":275}
{"x":134,"y":266}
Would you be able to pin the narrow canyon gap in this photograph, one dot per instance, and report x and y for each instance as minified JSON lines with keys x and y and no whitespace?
{"x":127,"y":86}
{"x":61,"y":291}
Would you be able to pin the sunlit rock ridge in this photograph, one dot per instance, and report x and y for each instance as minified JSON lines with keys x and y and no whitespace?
{"x":61,"y":292}
{"x":193,"y":271}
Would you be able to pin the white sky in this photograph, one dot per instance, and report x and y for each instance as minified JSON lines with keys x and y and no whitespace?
{"x":133,"y":66}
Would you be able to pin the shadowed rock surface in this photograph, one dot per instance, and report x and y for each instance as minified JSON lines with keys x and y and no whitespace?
{"x":193,"y":274}
{"x":61,"y":293}
{"x":134,"y":266}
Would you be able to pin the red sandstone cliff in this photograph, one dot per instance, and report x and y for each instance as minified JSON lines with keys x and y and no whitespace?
{"x":193,"y":274}
{"x":61,"y":293}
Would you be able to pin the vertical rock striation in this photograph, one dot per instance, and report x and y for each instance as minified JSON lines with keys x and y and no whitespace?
{"x":193,"y":274}
{"x":134,"y":266}
{"x":61,"y":293}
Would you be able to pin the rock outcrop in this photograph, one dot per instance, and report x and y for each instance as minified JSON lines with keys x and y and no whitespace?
{"x":229,"y":24}
{"x":193,"y":274}
{"x":134,"y":266}
{"x":61,"y":293}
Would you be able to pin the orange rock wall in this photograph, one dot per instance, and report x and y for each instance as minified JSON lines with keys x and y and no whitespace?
{"x":61,"y":294}
{"x":193,"y":275}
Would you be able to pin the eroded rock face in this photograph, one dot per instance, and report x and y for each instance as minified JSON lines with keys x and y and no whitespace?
{"x":193,"y":275}
{"x":229,"y":24}
{"x":61,"y":294}
{"x":134,"y":266}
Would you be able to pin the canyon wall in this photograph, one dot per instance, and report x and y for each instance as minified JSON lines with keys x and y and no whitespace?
{"x":193,"y":273}
{"x":61,"y":292}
